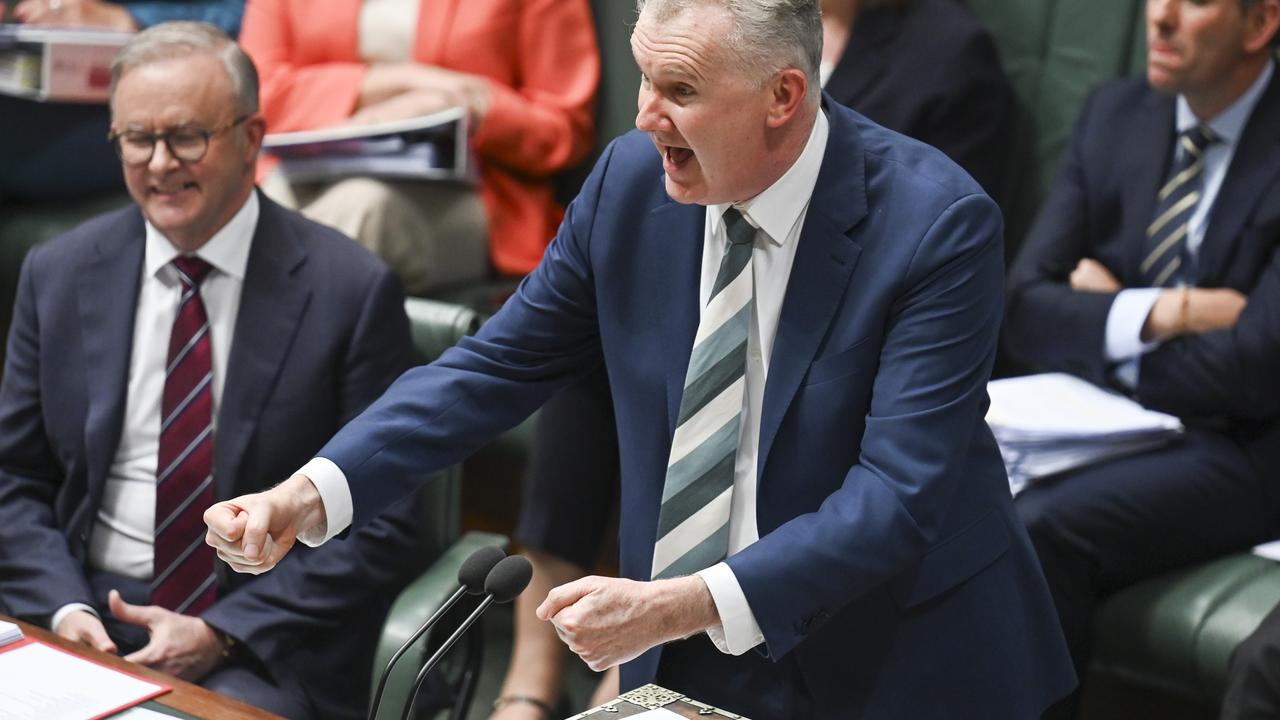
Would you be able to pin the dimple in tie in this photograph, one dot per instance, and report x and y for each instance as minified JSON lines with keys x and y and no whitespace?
{"x":693,"y":522}
{"x":184,"y":578}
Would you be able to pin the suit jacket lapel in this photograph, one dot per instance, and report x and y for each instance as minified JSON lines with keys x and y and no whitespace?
{"x":108,"y":298}
{"x":824,"y":262}
{"x":1150,"y":137}
{"x":272,"y":303}
{"x":1250,"y":175}
{"x":677,"y":267}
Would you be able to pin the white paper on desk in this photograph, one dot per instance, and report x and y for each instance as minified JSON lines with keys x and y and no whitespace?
{"x":9,"y":633}
{"x":1268,"y":550}
{"x":39,"y":682}
{"x":656,"y":714}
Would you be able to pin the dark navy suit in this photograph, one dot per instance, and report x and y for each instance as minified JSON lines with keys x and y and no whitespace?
{"x":1104,"y":527}
{"x":892,"y":578}
{"x":321,"y":331}
{"x":930,"y":70}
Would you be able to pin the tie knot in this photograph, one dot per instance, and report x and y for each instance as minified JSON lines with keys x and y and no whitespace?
{"x":191,"y":269}
{"x":737,"y":229}
{"x":1194,"y":140}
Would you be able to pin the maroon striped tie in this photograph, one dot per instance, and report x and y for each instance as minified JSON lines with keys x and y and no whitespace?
{"x":184,"y":579}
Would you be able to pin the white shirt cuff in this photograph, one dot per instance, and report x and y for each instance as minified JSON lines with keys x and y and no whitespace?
{"x":738,"y":631}
{"x":1128,"y":314}
{"x":335,"y":496}
{"x":66,"y":610}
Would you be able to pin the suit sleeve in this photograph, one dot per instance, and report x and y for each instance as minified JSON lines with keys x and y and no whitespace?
{"x":314,"y":590}
{"x":1228,"y":372}
{"x":928,"y":400}
{"x":545,"y":337}
{"x":39,"y":573}
{"x":544,"y":123}
{"x":1049,"y":325}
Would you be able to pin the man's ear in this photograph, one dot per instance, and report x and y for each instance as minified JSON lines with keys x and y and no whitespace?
{"x":255,"y":128}
{"x":1262,"y":21}
{"x":787,"y":92}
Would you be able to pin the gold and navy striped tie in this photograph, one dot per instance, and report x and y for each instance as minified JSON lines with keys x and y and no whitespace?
{"x":1164,"y":262}
{"x":693,"y":522}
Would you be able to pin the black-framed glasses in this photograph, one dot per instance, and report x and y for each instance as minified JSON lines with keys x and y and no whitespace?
{"x":186,"y":143}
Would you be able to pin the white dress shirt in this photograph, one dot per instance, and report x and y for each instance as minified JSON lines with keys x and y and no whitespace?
{"x":779,"y":212}
{"x":124,"y":531}
{"x":1129,"y":310}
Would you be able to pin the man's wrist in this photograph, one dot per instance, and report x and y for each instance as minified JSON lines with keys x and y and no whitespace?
{"x":693,"y":609}
{"x":307,"y":502}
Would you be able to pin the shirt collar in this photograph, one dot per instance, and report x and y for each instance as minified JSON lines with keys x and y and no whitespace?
{"x":227,"y":251}
{"x":1229,"y":123}
{"x":779,"y":207}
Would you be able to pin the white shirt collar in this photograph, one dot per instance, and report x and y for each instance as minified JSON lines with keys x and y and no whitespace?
{"x":782,"y":204}
{"x":1229,"y":123}
{"x":227,"y":251}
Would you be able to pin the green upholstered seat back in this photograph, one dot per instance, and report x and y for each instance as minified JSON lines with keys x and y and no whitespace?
{"x":1055,"y":52}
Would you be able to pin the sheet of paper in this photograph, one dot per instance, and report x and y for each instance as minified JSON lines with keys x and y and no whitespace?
{"x":658,"y":714}
{"x":40,"y":682}
{"x":1268,"y":550}
{"x":9,"y":632}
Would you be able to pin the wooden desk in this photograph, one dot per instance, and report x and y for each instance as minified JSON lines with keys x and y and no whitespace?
{"x":185,"y":697}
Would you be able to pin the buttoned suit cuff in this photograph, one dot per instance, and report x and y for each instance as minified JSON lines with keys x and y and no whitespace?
{"x":66,"y":610}
{"x":1125,"y":319}
{"x":738,"y":630}
{"x":335,"y":497}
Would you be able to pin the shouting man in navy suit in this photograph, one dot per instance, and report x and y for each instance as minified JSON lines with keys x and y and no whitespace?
{"x":797,"y":310}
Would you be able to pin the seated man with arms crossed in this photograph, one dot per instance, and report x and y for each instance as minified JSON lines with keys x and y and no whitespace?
{"x":1152,"y":269}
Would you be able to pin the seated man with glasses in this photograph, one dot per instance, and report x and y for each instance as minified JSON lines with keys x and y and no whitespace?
{"x":195,"y":347}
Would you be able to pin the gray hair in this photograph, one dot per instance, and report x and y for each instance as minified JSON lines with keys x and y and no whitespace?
{"x":767,"y":35}
{"x":171,"y":40}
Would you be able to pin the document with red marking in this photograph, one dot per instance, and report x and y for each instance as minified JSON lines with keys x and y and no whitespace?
{"x":41,"y":682}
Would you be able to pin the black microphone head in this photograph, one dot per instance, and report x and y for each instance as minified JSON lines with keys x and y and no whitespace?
{"x":508,"y":578}
{"x":474,"y":571}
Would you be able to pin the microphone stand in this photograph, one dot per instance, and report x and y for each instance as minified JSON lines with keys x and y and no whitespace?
{"x":439,"y":653}
{"x":386,"y":673}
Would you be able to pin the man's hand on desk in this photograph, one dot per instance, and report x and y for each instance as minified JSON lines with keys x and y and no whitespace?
{"x":180,"y":645}
{"x":83,"y":626}
{"x":608,"y":621}
{"x":252,"y":533}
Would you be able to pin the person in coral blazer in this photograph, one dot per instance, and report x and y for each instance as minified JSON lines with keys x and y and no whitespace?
{"x":527,"y":72}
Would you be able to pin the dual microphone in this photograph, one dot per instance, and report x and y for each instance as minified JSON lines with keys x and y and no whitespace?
{"x":487,"y":571}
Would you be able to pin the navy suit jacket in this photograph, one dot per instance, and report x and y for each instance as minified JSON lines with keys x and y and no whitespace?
{"x":930,"y":70}
{"x":890,"y":561}
{"x":321,"y":331}
{"x":1099,"y":207}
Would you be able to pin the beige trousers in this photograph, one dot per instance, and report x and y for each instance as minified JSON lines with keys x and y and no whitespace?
{"x":432,"y":234}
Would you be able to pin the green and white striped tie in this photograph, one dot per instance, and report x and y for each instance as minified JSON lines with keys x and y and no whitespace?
{"x":693,"y":523}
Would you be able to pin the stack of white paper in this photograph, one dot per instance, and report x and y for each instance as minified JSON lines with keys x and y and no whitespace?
{"x":1047,"y":424}
{"x":9,"y":633}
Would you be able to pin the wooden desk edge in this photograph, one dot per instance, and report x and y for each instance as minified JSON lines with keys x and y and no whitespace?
{"x":185,"y":696}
